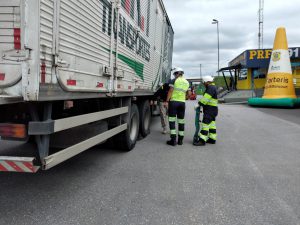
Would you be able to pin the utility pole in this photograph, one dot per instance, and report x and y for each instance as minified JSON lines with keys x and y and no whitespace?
{"x":261,"y":25}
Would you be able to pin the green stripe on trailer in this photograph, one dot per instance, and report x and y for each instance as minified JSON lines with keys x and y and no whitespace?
{"x":132,"y":63}
{"x":280,"y":102}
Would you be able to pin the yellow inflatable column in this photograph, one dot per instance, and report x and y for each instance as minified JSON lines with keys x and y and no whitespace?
{"x":279,"y":83}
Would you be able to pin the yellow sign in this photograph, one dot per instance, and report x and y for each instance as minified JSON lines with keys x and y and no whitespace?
{"x":260,"y":54}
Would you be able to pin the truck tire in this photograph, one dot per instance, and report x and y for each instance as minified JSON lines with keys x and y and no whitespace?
{"x":127,"y":139}
{"x":145,"y":118}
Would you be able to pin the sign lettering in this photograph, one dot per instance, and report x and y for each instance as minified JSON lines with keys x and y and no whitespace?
{"x":127,"y":34}
{"x":266,"y":53}
{"x":260,"y":54}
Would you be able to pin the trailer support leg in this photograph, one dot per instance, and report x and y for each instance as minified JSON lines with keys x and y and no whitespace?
{"x":42,"y":141}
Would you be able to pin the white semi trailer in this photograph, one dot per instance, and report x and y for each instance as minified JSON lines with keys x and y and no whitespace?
{"x":75,"y":73}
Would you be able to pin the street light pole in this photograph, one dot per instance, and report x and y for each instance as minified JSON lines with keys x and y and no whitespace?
{"x":215,"y":21}
{"x":200,"y":71}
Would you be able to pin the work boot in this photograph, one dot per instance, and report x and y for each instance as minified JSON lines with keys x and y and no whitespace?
{"x":211,"y":141}
{"x":180,"y":141}
{"x":172,"y":142}
{"x":199,"y":142}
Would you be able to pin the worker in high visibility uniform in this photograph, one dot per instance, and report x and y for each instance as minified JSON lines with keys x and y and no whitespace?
{"x":179,"y":89}
{"x":209,"y":102}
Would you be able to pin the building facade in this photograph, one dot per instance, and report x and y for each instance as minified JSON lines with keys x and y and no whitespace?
{"x":251,"y":68}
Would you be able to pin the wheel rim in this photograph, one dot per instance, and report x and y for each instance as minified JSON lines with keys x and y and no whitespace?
{"x":133,"y":127}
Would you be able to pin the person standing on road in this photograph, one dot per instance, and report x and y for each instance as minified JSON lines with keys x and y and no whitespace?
{"x":209,"y":102}
{"x":179,"y":89}
{"x":161,"y":96}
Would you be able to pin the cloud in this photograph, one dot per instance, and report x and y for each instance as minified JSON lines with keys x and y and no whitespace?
{"x":196,"y":37}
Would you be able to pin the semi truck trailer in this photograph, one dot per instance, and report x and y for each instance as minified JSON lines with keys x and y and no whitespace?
{"x":75,"y":74}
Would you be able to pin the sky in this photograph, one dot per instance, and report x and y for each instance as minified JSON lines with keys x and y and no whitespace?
{"x":196,"y":39}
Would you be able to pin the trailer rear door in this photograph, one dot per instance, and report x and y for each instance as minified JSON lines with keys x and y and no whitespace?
{"x":83,"y":62}
{"x":11,"y":44}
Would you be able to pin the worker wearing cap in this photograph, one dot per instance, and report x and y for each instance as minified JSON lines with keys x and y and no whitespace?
{"x":179,"y":88}
{"x":209,"y":102}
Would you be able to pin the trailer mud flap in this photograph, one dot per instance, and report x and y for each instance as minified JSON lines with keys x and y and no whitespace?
{"x":18,"y":164}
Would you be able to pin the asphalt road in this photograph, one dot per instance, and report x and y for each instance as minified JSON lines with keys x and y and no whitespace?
{"x":251,"y":176}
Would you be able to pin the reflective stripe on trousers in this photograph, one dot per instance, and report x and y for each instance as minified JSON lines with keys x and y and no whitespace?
{"x":172,"y":125}
{"x":213,"y":131}
{"x":176,"y":111}
{"x":181,"y":123}
{"x":208,"y":131}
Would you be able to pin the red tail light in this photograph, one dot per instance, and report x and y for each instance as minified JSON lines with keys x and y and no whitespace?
{"x":17,"y":131}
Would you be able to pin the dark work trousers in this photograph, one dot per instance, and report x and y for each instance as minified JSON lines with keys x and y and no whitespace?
{"x":176,"y":111}
{"x":209,"y":128}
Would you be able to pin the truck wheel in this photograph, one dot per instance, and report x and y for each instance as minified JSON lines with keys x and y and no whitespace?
{"x":145,"y":118}
{"x":127,"y":139}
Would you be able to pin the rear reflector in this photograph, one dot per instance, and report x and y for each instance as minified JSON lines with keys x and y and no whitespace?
{"x":14,"y":131}
{"x":143,"y":23}
{"x":100,"y":85}
{"x":127,"y":5}
{"x":71,"y":82}
{"x":2,"y":76}
{"x":17,"y":38}
{"x":43,"y":73}
{"x":17,"y":164}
